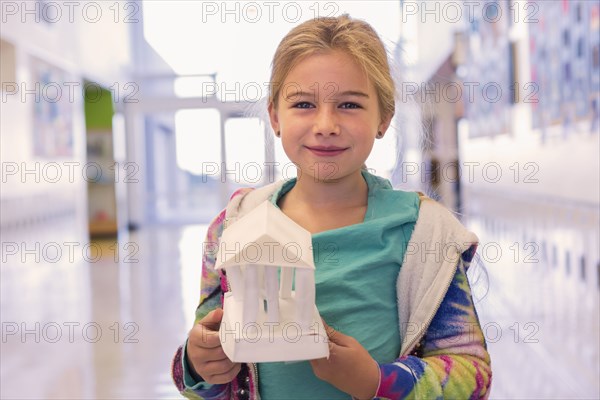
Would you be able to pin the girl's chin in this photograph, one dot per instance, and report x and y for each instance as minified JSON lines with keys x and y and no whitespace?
{"x":326,"y":172}
{"x":321,"y":169}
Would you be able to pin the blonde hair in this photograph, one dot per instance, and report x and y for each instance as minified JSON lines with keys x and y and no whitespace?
{"x":352,"y":36}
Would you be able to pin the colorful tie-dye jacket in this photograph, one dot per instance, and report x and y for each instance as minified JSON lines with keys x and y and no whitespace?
{"x":443,"y":353}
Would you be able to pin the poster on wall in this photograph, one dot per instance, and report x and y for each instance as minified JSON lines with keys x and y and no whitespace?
{"x":564,"y":63}
{"x":489,"y":73}
{"x":594,"y":63}
{"x":53,"y":111}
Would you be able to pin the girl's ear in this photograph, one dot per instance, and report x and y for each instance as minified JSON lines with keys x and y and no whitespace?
{"x":273,"y":117}
{"x":385,"y":124}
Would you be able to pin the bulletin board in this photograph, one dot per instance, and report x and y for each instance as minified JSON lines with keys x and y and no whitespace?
{"x":51,"y":94}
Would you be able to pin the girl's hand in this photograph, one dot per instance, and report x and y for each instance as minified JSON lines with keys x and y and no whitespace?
{"x":349,"y":368}
{"x":205,"y":354}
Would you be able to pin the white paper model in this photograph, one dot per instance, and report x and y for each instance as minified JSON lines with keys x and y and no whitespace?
{"x":265,"y":320}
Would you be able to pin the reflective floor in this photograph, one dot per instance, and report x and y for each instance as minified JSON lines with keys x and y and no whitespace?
{"x":103,"y":321}
{"x":542,"y":333}
{"x":542,"y":312}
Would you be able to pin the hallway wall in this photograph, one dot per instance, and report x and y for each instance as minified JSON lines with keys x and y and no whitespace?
{"x":67,"y":48}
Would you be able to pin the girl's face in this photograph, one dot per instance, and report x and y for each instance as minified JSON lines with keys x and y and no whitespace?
{"x":328,"y":116}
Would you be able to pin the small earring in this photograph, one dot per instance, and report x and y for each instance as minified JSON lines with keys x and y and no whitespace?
{"x":379,"y":134}
{"x":278,"y":133}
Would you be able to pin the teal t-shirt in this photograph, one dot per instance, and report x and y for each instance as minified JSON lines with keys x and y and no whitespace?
{"x":356,"y":271}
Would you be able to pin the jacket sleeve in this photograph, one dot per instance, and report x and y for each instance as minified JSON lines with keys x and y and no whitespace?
{"x":212,"y":287}
{"x":210,"y":298}
{"x":452,"y":360}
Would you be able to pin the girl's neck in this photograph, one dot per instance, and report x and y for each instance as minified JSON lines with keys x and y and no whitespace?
{"x":350,"y":191}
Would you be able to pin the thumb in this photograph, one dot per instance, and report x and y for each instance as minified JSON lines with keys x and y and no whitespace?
{"x":334,"y":336}
{"x":212,"y":320}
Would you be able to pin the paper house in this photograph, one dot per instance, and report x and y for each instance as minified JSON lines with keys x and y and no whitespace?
{"x":269,"y":310}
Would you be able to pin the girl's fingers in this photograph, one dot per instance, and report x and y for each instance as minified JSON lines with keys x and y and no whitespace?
{"x":216,"y":354}
{"x":212,"y":320}
{"x":224,"y":376}
{"x":210,"y":340}
{"x":217,"y":367}
{"x":204,"y":338}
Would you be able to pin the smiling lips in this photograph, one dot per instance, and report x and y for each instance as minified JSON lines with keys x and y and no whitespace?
{"x":326,"y":151}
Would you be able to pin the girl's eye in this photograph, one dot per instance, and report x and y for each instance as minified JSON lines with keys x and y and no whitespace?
{"x":349,"y":105}
{"x":302,"y":104}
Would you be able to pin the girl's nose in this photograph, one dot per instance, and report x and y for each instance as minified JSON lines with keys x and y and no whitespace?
{"x":326,"y":122}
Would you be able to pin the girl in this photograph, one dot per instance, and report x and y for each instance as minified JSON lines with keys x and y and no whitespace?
{"x":394,"y":289}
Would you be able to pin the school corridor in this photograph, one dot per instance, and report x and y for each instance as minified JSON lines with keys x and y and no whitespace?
{"x":125,"y":126}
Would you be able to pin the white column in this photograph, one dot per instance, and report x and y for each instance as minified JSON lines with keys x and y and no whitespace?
{"x":223,"y":186}
{"x":304,"y":297}
{"x":287,"y":276}
{"x":251,"y":291}
{"x":272,"y":295}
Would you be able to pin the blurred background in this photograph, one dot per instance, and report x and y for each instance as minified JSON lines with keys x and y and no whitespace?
{"x":126,"y":125}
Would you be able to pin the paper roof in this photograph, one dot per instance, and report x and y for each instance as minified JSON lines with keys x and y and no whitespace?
{"x":265,"y":236}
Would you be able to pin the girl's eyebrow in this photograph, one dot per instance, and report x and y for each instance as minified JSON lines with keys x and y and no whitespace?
{"x":310,"y":94}
{"x":292,"y":96}
{"x":354,"y":93}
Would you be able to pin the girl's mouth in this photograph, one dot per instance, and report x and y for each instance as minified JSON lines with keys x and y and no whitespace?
{"x":326,"y":151}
